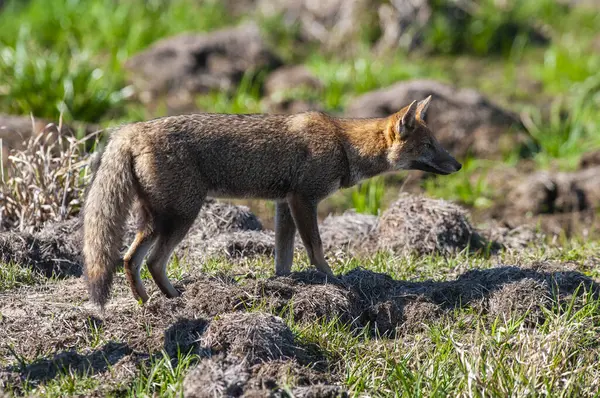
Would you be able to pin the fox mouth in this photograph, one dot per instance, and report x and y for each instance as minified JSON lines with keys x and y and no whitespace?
{"x":417,"y":165}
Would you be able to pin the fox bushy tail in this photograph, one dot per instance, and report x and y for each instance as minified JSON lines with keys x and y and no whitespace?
{"x":104,"y":216}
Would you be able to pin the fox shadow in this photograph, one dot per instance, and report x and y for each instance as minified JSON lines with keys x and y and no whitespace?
{"x":70,"y":361}
{"x":384,"y":304}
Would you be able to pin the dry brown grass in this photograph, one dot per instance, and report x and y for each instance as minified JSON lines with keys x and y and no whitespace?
{"x":44,"y":182}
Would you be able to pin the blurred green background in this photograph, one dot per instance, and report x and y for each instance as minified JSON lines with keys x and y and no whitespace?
{"x":537,"y":58}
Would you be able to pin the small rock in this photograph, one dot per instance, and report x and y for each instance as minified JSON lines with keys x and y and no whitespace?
{"x":563,"y":192}
{"x":194,"y":63}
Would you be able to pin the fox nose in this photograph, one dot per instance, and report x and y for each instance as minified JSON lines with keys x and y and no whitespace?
{"x":458,"y":166}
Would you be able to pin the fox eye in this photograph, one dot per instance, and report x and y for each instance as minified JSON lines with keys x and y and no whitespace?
{"x":429,"y":145}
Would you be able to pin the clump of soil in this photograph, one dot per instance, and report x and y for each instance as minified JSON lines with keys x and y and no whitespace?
{"x":524,"y":298}
{"x":421,"y":225}
{"x":545,"y":193}
{"x":560,"y":203}
{"x":253,"y":354}
{"x":511,"y":238}
{"x":250,"y":337}
{"x":348,"y":231}
{"x":212,"y":296}
{"x":221,"y":229}
{"x":220,"y":217}
{"x":324,"y":302}
{"x":216,"y":377}
{"x":590,"y":159}
{"x":55,"y":250}
{"x":237,"y":245}
{"x":309,"y":295}
{"x":213,"y":377}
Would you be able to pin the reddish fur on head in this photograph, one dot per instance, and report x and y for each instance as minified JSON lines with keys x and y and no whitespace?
{"x":412,"y":145}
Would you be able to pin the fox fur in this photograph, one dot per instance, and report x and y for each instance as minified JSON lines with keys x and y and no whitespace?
{"x":167,"y":167}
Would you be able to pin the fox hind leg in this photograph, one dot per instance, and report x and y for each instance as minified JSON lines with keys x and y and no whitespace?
{"x":133,"y":259}
{"x":132,"y":262}
{"x":169,"y":237}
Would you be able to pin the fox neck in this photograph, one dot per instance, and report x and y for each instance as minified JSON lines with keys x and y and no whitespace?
{"x":366,"y":147}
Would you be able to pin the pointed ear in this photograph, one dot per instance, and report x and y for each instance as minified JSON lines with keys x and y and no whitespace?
{"x":422,"y":108}
{"x":407,"y":122}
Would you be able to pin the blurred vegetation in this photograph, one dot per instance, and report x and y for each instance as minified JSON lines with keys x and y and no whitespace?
{"x":539,"y":58}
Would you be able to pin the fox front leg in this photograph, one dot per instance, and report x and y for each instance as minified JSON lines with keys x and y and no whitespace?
{"x":285,"y":231}
{"x":304,"y":212}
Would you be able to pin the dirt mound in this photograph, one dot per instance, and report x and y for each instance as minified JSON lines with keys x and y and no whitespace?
{"x":524,"y":298}
{"x":511,"y":238}
{"x":590,"y":159}
{"x":226,"y":230}
{"x":349,"y":231}
{"x":220,"y":217}
{"x":289,"y":78}
{"x":252,"y":354}
{"x":309,"y":295}
{"x":232,"y":246}
{"x":462,"y":120}
{"x":545,"y":193}
{"x":54,"y":251}
{"x":216,"y":377}
{"x":221,"y":230}
{"x":421,"y":225}
{"x":391,"y":306}
{"x":250,"y":337}
{"x":283,"y":86}
{"x":214,"y":295}
{"x":190,"y":63}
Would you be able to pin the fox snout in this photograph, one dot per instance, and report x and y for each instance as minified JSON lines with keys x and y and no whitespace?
{"x":445,"y":164}
{"x":443,"y":167}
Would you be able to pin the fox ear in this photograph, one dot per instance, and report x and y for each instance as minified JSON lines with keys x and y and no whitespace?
{"x":422,"y":107}
{"x":407,"y":122}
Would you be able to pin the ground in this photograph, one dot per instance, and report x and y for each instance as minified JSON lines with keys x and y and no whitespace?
{"x":481,"y":283}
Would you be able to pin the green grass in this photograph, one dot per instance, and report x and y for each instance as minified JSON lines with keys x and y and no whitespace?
{"x":163,"y":377}
{"x":469,"y":187}
{"x":367,"y":197}
{"x":47,"y":83}
{"x":344,"y":79}
{"x":570,"y":130}
{"x":484,"y":28}
{"x":67,"y":383}
{"x":245,"y":99}
{"x":67,"y":56}
{"x":13,"y":276}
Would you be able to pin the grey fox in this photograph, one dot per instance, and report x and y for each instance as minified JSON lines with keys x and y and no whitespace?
{"x":167,"y":167}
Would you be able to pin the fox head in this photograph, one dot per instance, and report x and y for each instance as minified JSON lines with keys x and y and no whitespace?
{"x":412,"y":145}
